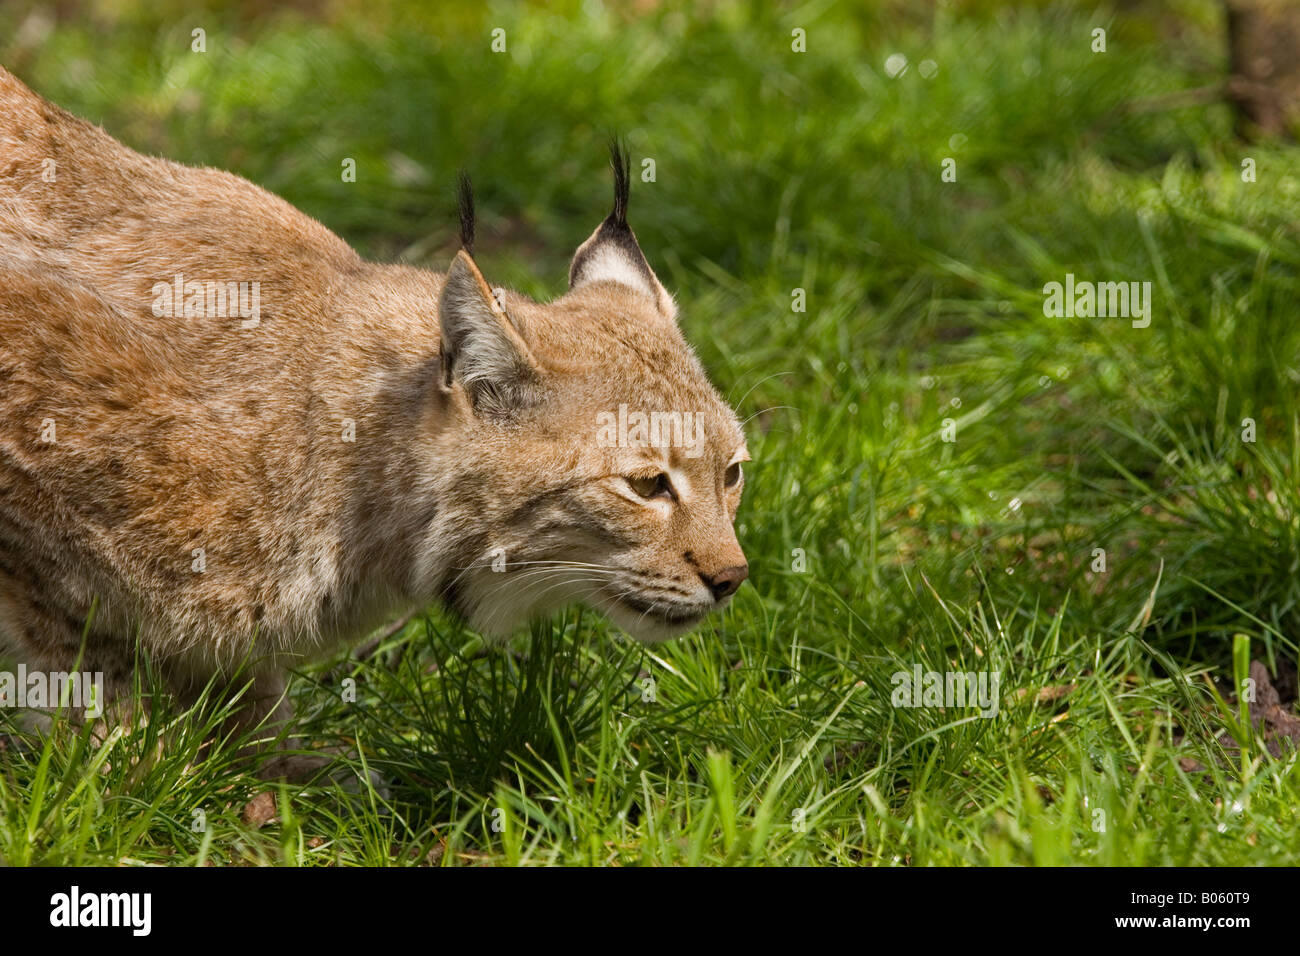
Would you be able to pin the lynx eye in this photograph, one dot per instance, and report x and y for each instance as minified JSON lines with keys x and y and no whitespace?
{"x":732,"y":474}
{"x":652,"y":486}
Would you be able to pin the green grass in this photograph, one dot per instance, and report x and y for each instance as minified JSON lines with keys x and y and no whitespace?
{"x":874,"y":544}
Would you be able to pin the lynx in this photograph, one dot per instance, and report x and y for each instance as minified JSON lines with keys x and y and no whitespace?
{"x":215,"y":484}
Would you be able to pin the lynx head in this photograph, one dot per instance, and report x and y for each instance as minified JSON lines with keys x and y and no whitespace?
{"x":593,"y":462}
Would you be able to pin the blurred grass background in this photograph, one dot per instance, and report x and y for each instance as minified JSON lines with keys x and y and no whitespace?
{"x":772,"y":738}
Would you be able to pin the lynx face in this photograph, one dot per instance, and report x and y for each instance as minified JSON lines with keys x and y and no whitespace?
{"x":592,"y":420}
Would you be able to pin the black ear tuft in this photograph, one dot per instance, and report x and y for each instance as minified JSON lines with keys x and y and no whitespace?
{"x":611,"y":253}
{"x":465,"y":201}
{"x":622,"y":163}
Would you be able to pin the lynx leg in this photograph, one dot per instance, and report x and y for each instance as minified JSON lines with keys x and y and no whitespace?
{"x":45,"y":641}
{"x":264,"y":713}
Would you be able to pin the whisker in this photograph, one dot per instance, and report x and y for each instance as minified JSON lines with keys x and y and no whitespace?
{"x":758,"y":383}
{"x":771,"y":408}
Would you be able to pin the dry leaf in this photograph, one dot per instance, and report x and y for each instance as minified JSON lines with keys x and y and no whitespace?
{"x":260,"y":810}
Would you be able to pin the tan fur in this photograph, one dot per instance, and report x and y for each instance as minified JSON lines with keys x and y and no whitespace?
{"x":174,"y":434}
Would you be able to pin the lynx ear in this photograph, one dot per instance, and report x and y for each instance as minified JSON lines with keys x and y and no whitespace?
{"x":482,"y":347}
{"x":612,"y":254}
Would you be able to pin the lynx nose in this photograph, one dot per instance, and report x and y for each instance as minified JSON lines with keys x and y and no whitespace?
{"x":726,"y":581}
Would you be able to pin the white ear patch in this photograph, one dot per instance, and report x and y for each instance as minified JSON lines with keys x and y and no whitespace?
{"x":611,"y":253}
{"x":606,"y":262}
